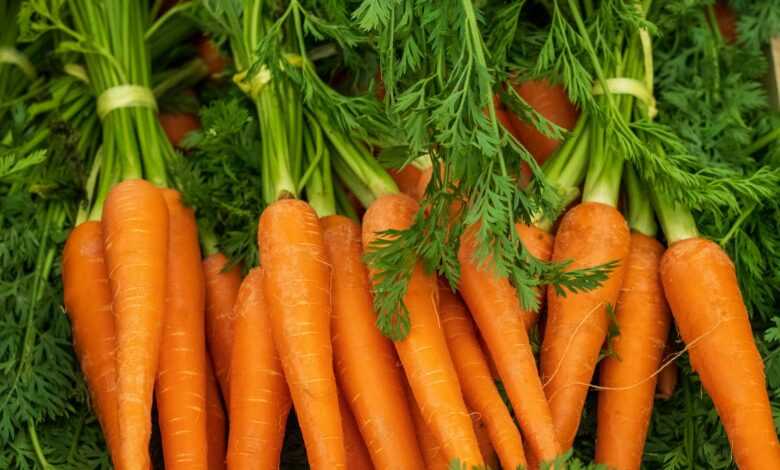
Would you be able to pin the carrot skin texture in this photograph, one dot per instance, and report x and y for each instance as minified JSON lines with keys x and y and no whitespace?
{"x":540,"y":244}
{"x":497,"y":312}
{"x":221,"y":292}
{"x":87,"y":297}
{"x":483,"y":438}
{"x":590,"y":234}
{"x":261,"y":400}
{"x":667,"y":381}
{"x":644,"y":319}
{"x":476,"y":381}
{"x":181,"y":378}
{"x":177,"y":125}
{"x":216,"y":422}
{"x":358,"y":457}
{"x":702,"y":290}
{"x":388,"y":429}
{"x":135,"y":225}
{"x":432,"y":452}
{"x":297,"y":284}
{"x":423,"y":353}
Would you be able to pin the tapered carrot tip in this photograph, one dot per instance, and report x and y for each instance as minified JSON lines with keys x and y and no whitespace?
{"x":391,"y":212}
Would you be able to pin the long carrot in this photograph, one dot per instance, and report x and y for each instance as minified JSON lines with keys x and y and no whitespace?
{"x":496,"y":309}
{"x":628,"y":378}
{"x":88,"y":303}
{"x":221,"y":292}
{"x":432,"y":452}
{"x":216,"y":424}
{"x":539,"y":244}
{"x":479,"y":389}
{"x":590,"y":234}
{"x":388,"y":429}
{"x":261,"y":400}
{"x":135,"y":225}
{"x":702,"y":289}
{"x":297,"y":283}
{"x":424,"y":352}
{"x":483,"y":438}
{"x":181,"y":378}
{"x":358,"y":457}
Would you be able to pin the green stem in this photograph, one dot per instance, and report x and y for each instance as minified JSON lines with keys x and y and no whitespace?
{"x":343,"y":204}
{"x":39,"y":455}
{"x":676,"y":220}
{"x":75,"y":440}
{"x":190,"y":73}
{"x":602,"y":183}
{"x":208,"y":240}
{"x":319,"y":186}
{"x":733,"y":230}
{"x":640,"y":211}
{"x":763,"y":141}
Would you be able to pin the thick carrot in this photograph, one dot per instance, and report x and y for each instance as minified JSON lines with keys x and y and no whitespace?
{"x":88,"y":303}
{"x":261,"y":401}
{"x":388,"y":429}
{"x":181,"y":378}
{"x":590,"y":234}
{"x":358,"y":457}
{"x":628,"y":377}
{"x":479,"y":389}
{"x":424,"y":352}
{"x":221,"y":292}
{"x":667,"y":381}
{"x":496,"y":309}
{"x":539,"y":244}
{"x":216,"y":424}
{"x":297,"y":283}
{"x":135,"y":225}
{"x":702,"y":289}
{"x":177,"y":125}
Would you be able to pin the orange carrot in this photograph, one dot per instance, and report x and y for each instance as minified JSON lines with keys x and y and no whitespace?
{"x":181,"y":378}
{"x":483,"y":438}
{"x":88,"y":303}
{"x":432,"y":452}
{"x":628,"y":378}
{"x":135,"y":225}
{"x":216,"y":424}
{"x":297,"y":282}
{"x":178,"y":125}
{"x":496,"y":310}
{"x":539,"y":244}
{"x":702,"y":290}
{"x":221,"y":292}
{"x":667,"y":381}
{"x":479,"y":389}
{"x":388,"y":429}
{"x":357,"y":453}
{"x":424,"y":352}
{"x":407,"y":179}
{"x":261,"y":401}
{"x":209,"y":53}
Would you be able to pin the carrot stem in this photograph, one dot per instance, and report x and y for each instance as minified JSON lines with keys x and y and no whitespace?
{"x":676,"y":219}
{"x":640,"y":211}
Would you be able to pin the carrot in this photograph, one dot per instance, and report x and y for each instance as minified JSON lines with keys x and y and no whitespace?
{"x":181,"y":378}
{"x":135,"y":224}
{"x":483,"y":438}
{"x":388,"y":429}
{"x":628,"y":378}
{"x":502,"y":114}
{"x":726,"y":20}
{"x":496,"y":309}
{"x":221,"y":292}
{"x":88,"y":303}
{"x":178,"y":125}
{"x":357,"y":453}
{"x":216,"y":424}
{"x":539,"y":244}
{"x":702,"y":290}
{"x":423,"y":353}
{"x":590,"y":234}
{"x":297,"y":282}
{"x":551,"y":102}
{"x":432,"y":452}
{"x":407,"y":179}
{"x":479,"y":389}
{"x":667,"y":381}
{"x":261,"y":401}
{"x":215,"y":61}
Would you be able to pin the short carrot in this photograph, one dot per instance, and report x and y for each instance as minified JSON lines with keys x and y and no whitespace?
{"x":667,"y":380}
{"x":297,"y":284}
{"x":590,"y":234}
{"x":261,"y":400}
{"x":423,"y":353}
{"x":221,"y":291}
{"x":88,"y":303}
{"x":357,"y":453}
{"x":479,"y":389}
{"x":497,"y":312}
{"x":216,"y":423}
{"x":181,"y":378}
{"x":388,"y":429}
{"x":135,"y":226}
{"x":628,"y":378}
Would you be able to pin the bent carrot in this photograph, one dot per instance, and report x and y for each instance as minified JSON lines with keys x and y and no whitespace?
{"x":181,"y":378}
{"x":297,"y":285}
{"x":216,"y":424}
{"x":628,"y":379}
{"x":702,"y":289}
{"x":479,"y":389}
{"x":424,"y":352}
{"x":388,"y":429}
{"x":221,"y":292}
{"x":135,"y":224}
{"x":590,"y":234}
{"x":87,"y":297}
{"x":496,"y":309}
{"x":261,"y":400}
{"x":539,"y":244}
{"x":357,"y":453}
